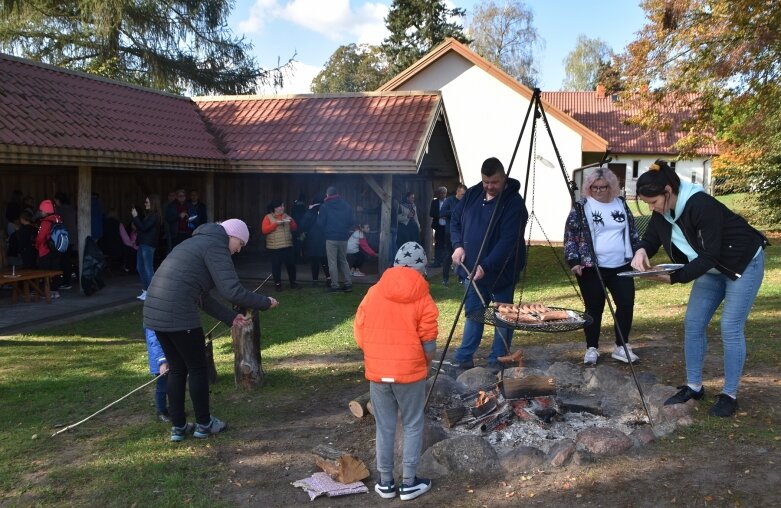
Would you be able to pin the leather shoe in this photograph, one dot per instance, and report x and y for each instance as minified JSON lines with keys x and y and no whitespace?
{"x":684,"y":394}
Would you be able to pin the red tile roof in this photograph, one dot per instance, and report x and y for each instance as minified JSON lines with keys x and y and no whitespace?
{"x":603,"y":115}
{"x":47,"y":107}
{"x":387,"y":131}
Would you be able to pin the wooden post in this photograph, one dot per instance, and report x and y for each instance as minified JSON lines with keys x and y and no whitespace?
{"x":247,"y":368}
{"x":208,"y":196}
{"x":385,"y":193}
{"x":84,"y":205}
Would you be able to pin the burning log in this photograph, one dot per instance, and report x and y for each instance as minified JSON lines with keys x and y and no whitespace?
{"x":499,"y":421}
{"x":450,"y":417}
{"x":527,"y":387}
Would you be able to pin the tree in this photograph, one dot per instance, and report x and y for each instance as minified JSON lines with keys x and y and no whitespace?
{"x":416,"y":26}
{"x":352,"y":68}
{"x":582,"y":65}
{"x":722,"y":59}
{"x":505,"y":36}
{"x":173,"y":45}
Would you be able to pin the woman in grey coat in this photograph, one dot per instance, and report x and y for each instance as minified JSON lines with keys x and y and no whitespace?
{"x":180,"y":288}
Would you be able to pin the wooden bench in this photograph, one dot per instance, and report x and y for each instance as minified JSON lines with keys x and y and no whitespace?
{"x":29,"y":283}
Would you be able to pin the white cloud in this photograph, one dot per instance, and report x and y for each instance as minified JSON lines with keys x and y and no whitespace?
{"x":334,"y":19}
{"x":261,"y":12}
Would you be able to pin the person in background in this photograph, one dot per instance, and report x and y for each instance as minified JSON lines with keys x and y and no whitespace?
{"x":177,"y":216}
{"x":28,"y":203}
{"x":278,"y":228}
{"x":180,"y":289}
{"x":129,"y":246}
{"x":21,"y":244}
{"x":336,"y":219}
{"x":314,"y":242}
{"x":396,"y":328}
{"x":111,"y":242}
{"x":96,"y":216}
{"x":298,"y":211}
{"x":48,"y":257}
{"x":407,"y":220}
{"x":357,"y":250}
{"x":612,"y":236}
{"x":158,"y":366}
{"x":724,"y":257}
{"x":445,"y":213}
{"x":438,"y":224}
{"x":170,"y":211}
{"x":197,"y":211}
{"x":148,"y":228}
{"x":12,"y":211}
{"x":496,"y":272}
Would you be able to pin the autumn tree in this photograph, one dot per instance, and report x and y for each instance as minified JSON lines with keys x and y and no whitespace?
{"x":722,"y":59}
{"x":416,"y":26}
{"x":175,"y":45}
{"x":505,"y":36}
{"x":352,"y":68}
{"x":582,"y":66}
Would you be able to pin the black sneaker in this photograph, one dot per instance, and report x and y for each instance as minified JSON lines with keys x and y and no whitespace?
{"x":418,"y":487}
{"x":278,"y":286}
{"x":179,"y":433}
{"x":386,"y":490}
{"x":66,"y":286}
{"x":334,"y":290}
{"x":684,"y":394}
{"x":725,"y":406}
{"x":348,"y":289}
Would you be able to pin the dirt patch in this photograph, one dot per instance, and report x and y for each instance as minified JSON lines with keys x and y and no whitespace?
{"x":731,"y":462}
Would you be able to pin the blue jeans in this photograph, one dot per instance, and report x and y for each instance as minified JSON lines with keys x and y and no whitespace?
{"x":145,"y":264}
{"x":473,"y":330}
{"x":738,"y":296}
{"x":161,"y":397}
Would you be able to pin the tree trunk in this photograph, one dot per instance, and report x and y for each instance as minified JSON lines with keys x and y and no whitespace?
{"x":247,"y":367}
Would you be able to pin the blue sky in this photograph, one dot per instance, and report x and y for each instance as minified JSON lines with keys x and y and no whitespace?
{"x":313,"y":29}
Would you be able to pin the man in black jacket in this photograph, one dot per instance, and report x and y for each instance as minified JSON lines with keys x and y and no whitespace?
{"x":438,"y":224}
{"x":336,"y":221}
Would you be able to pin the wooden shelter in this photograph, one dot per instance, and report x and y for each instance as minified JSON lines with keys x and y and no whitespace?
{"x":66,"y":131}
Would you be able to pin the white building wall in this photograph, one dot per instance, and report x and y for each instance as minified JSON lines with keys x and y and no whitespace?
{"x":485,"y":118}
{"x":697,"y":170}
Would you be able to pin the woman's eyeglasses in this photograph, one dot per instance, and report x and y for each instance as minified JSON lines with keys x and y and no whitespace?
{"x":599,"y":188}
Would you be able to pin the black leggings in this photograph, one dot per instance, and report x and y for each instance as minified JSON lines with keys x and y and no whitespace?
{"x":622,"y":289}
{"x":186,"y":354}
{"x":281,"y":257}
{"x":316,"y":263}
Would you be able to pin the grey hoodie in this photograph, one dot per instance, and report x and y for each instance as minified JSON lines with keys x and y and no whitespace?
{"x":182,"y":284}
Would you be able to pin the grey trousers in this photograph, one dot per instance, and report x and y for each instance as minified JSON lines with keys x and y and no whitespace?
{"x":389,"y":399}
{"x":337,"y":262}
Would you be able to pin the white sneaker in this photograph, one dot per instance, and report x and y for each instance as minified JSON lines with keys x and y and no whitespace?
{"x":142,"y":296}
{"x":55,"y":295}
{"x":591,"y":356}
{"x":620,"y":355}
{"x":358,"y":273}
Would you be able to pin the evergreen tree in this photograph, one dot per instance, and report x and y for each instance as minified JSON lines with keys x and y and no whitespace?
{"x":174,"y":45}
{"x":416,"y":26}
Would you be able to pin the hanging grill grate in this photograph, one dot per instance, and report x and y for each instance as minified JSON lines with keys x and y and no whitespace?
{"x":576,"y":321}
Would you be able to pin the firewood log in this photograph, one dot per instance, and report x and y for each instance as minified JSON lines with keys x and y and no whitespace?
{"x":359,"y":405}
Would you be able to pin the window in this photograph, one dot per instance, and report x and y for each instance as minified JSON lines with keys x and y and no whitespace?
{"x":635,"y":169}
{"x":672,"y":165}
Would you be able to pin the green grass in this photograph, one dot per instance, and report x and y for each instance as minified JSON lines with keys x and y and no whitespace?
{"x":59,"y":376}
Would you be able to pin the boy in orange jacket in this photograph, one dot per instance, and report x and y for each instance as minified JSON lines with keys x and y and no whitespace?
{"x":396,"y":327}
